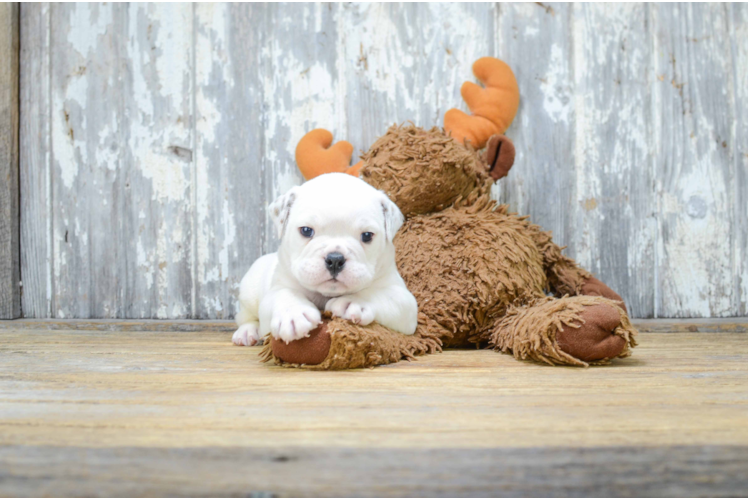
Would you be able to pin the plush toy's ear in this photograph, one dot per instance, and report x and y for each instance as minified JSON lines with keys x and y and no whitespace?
{"x":393,"y":217}
{"x":499,"y":156}
{"x":280,"y":210}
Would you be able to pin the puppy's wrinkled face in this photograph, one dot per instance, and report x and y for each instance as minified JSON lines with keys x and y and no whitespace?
{"x":336,"y":233}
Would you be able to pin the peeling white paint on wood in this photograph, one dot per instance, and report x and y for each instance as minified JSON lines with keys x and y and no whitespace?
{"x":738,"y":21}
{"x":229,"y":151}
{"x":300,"y":91}
{"x":694,"y":117}
{"x":546,"y":116}
{"x":84,"y":100}
{"x":153,"y":137}
{"x":158,"y":166}
{"x":613,"y":227}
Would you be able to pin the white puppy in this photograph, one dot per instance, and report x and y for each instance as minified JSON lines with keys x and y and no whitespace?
{"x":336,"y":254}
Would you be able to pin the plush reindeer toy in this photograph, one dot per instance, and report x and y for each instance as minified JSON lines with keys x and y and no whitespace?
{"x":480,"y":274}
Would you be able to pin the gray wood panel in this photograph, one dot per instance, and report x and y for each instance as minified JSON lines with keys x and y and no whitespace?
{"x":407,"y":62}
{"x":738,"y":19}
{"x":84,"y":115}
{"x":155,"y":179}
{"x":154,"y":136}
{"x":694,"y":117}
{"x":543,"y":131}
{"x":121,"y":142}
{"x":10,"y":267}
{"x":230,"y":53}
{"x":35,"y":170}
{"x":613,"y":207}
{"x":301,"y":91}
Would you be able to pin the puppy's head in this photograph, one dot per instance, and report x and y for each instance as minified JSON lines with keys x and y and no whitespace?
{"x":336,"y":233}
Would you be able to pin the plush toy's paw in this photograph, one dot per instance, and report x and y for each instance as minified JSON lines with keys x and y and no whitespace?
{"x":338,"y":344}
{"x":247,"y":334}
{"x":594,"y":339}
{"x":346,"y":307}
{"x":572,"y":331}
{"x":310,"y":350}
{"x":295,"y":323}
{"x":595,"y":287}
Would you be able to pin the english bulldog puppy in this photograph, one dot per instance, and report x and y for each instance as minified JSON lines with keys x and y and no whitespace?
{"x":336,"y":254}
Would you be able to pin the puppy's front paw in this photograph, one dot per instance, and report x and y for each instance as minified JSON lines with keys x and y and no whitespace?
{"x":295,"y":323}
{"x":346,"y":307}
{"x":247,"y":334}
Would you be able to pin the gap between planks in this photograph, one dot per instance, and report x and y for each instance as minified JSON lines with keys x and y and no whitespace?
{"x":694,"y":325}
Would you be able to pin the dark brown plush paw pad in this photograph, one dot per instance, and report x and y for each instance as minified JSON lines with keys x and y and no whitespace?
{"x":311,"y":350}
{"x":594,"y":339}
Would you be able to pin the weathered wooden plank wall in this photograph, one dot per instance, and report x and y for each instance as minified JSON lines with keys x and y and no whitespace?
{"x":153,"y":136}
{"x":738,"y":20}
{"x":10,"y":264}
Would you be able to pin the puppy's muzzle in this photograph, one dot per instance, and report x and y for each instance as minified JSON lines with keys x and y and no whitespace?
{"x":334,"y":263}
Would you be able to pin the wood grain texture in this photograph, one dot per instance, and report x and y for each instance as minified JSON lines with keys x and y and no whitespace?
{"x":693,"y":128}
{"x":543,"y":130}
{"x":35,"y":169}
{"x":155,"y":181}
{"x":738,"y":21}
{"x":613,"y":210}
{"x":301,"y":91}
{"x":188,"y":413}
{"x":671,"y":471}
{"x":229,"y":154}
{"x":85,"y":181}
{"x":153,"y":137}
{"x":10,"y":265}
{"x":407,"y":62}
{"x":121,"y":161}
{"x":75,"y":388}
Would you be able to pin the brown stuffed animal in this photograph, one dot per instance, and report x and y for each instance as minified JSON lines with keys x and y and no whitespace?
{"x":481,"y":275}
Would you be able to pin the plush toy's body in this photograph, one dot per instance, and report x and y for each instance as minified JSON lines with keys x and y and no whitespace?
{"x":480,"y":274}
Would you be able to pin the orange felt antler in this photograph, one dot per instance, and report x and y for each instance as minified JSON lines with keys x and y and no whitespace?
{"x":493,"y":107}
{"x":315,"y":156}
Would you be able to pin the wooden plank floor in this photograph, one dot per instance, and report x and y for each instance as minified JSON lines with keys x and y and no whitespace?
{"x":185,"y":413}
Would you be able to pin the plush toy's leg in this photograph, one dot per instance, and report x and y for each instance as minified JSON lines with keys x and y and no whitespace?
{"x":338,"y":344}
{"x":596,"y":288}
{"x":568,"y":331}
{"x":565,"y":277}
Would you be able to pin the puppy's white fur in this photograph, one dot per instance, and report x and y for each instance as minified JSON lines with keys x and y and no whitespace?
{"x":284,"y":292}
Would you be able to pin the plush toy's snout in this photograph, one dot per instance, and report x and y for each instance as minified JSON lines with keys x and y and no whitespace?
{"x":499,"y":156}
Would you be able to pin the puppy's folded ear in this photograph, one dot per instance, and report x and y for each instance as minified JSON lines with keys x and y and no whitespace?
{"x":280,"y":210}
{"x":393,"y":217}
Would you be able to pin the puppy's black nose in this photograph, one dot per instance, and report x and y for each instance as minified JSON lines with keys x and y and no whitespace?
{"x":334,"y":262}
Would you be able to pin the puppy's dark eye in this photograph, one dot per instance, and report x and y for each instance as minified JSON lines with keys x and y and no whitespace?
{"x":306,"y":232}
{"x":366,"y":237}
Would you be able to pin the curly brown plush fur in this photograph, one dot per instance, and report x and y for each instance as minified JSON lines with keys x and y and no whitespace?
{"x":406,"y":159}
{"x":476,"y":275}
